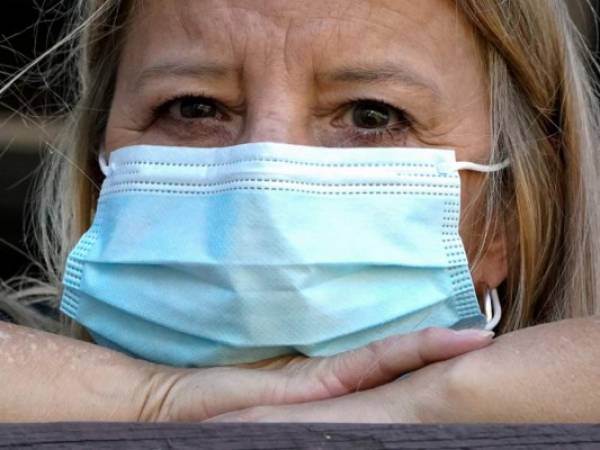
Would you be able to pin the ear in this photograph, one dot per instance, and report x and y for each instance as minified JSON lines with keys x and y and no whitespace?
{"x":492,"y":267}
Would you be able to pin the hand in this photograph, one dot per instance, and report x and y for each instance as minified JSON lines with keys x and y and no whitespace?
{"x":46,"y":377}
{"x":399,"y":401}
{"x":543,"y":374}
{"x":195,"y":395}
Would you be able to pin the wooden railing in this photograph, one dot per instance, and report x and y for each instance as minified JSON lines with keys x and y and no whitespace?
{"x":296,"y":436}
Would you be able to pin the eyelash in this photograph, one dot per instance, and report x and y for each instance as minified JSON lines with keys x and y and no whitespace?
{"x":394,"y":131}
{"x":164,"y":107}
{"x":361,"y":101}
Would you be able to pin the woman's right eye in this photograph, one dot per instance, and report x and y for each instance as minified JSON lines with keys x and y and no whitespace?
{"x":194,"y":120}
{"x":195,"y":108}
{"x":190,"y":108}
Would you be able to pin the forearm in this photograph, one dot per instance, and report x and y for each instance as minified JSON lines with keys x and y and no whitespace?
{"x":549,"y":373}
{"x":44,"y":377}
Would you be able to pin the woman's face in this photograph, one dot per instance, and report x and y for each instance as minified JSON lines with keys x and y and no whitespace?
{"x":335,"y":73}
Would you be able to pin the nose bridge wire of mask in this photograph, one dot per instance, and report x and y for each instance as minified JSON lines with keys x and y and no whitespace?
{"x":106,"y":167}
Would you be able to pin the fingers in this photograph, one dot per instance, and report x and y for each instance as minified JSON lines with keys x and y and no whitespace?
{"x":386,"y":360}
{"x":314,"y":412}
{"x":201,"y":394}
{"x":362,"y":407}
{"x":196,"y":395}
{"x":374,"y":365}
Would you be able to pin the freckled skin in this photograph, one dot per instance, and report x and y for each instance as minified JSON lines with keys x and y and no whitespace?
{"x":50,"y":378}
{"x":278,"y":48}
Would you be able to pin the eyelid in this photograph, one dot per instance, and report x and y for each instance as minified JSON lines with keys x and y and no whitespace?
{"x":223,"y":107}
{"x":165,"y":105}
{"x":347,"y":107}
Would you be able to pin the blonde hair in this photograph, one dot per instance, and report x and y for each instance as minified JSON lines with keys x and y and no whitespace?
{"x":544,"y":117}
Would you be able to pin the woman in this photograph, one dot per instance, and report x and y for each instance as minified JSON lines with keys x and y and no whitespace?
{"x":475,"y":76}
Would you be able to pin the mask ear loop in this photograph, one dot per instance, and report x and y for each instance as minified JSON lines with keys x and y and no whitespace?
{"x":103,"y":163}
{"x":467,"y":165}
{"x":493,"y":309}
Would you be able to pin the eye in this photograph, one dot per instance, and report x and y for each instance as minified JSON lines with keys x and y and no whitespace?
{"x":190,"y":108}
{"x":368,"y":114}
{"x":196,"y":120}
{"x":194,"y":108}
{"x":370,"y":122}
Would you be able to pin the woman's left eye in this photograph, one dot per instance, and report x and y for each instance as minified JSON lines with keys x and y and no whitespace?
{"x":375,"y":115}
{"x":372,"y":122}
{"x":372,"y":115}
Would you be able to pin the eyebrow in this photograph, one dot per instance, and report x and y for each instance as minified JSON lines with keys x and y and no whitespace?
{"x":204,"y":70}
{"x":385,"y":73}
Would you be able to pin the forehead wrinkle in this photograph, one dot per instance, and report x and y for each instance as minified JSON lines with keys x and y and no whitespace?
{"x":208,"y":70}
{"x":186,"y":23}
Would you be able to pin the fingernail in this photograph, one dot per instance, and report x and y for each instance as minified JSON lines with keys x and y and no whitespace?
{"x":485,"y":334}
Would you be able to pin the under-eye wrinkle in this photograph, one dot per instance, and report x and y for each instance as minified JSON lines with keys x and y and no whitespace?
{"x":368,"y":122}
{"x":188,"y":118}
{"x":191,"y":107}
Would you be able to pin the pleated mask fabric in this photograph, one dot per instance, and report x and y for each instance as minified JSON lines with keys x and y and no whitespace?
{"x":216,"y":256}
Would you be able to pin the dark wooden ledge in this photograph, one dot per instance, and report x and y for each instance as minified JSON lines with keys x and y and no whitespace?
{"x":100,"y":436}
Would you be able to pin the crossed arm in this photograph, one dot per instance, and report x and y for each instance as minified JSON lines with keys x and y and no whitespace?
{"x":549,"y":373}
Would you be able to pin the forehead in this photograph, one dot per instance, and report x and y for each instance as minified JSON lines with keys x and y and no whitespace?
{"x":310,"y":32}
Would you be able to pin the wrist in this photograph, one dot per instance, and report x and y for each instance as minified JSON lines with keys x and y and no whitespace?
{"x":114,"y":387}
{"x":154,"y":394}
{"x":46,"y":377}
{"x":446,"y":392}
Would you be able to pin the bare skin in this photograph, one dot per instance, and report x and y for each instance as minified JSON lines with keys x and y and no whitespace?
{"x":543,"y":374}
{"x":289,"y":71}
{"x":69,"y":380}
{"x":297,"y":72}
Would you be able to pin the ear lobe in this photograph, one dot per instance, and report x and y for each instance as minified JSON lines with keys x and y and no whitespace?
{"x":492,"y":267}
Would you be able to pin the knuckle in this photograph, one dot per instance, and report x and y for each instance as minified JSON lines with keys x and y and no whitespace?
{"x":378,"y":362}
{"x":430,"y":341}
{"x":334,"y":381}
{"x":376,"y":348}
{"x":429,"y":335}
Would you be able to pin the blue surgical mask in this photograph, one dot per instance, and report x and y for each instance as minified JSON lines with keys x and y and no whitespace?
{"x":216,"y":256}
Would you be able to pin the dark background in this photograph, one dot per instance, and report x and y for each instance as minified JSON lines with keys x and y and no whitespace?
{"x":27,"y":29}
